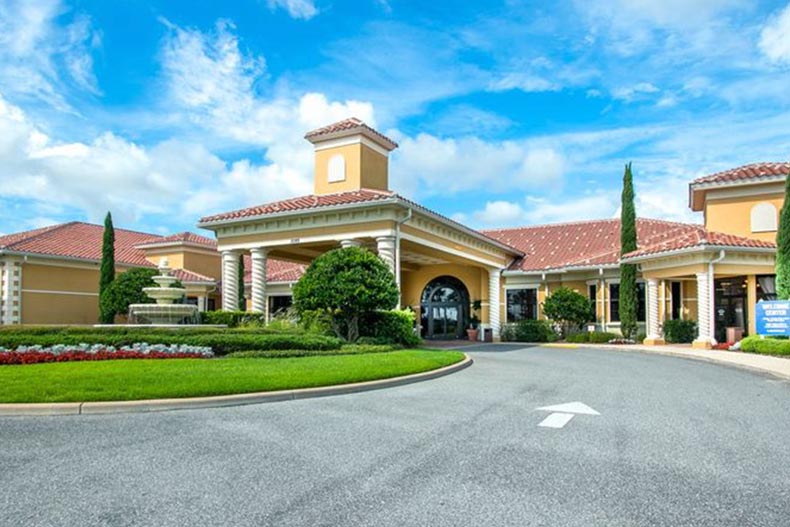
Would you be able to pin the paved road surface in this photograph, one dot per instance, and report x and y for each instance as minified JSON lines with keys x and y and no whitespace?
{"x":677,"y":443}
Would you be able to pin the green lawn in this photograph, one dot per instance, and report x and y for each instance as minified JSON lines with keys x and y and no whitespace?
{"x":152,"y":379}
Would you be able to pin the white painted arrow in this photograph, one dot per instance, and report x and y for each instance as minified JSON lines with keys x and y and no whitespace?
{"x":563,"y":413}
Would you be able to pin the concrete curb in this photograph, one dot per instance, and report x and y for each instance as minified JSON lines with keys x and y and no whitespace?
{"x":763,"y":364}
{"x":158,"y":405}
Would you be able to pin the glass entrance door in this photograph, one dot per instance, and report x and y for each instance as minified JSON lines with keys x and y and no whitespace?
{"x":731,"y":306}
{"x":444,"y":309}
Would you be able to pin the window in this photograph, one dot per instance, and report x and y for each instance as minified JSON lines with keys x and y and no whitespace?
{"x":764,"y":217}
{"x":278,"y":304}
{"x":337,"y":168}
{"x":592,"y":293}
{"x":522,"y":304}
{"x":614,"y":302}
{"x":677,"y":300}
{"x":766,"y":287}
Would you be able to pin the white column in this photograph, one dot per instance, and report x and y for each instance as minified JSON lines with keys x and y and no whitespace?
{"x":345,"y":244}
{"x":653,"y":322}
{"x":385,"y":246}
{"x":494,"y":302}
{"x":704,"y":311}
{"x":230,"y":281}
{"x":258,"y":289}
{"x":3,"y":288}
{"x":11,"y":280}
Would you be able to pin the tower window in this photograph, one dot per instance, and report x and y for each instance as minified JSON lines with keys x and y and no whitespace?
{"x":764,"y":217}
{"x":337,"y":168}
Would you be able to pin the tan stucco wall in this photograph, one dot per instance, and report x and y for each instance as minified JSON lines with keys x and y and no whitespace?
{"x":474,"y":278}
{"x":365,"y":168}
{"x":733,"y":215}
{"x":47,"y":308}
{"x":205,"y":264}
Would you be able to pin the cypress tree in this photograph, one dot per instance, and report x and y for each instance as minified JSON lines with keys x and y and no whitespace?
{"x":628,"y":294}
{"x":242,"y":300}
{"x":107,"y":269}
{"x":783,"y":248}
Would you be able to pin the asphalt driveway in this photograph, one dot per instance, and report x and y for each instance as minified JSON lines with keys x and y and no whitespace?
{"x":677,"y":442}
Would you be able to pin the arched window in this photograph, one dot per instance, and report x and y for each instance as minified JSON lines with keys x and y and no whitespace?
{"x":764,"y":217}
{"x":337,"y":168}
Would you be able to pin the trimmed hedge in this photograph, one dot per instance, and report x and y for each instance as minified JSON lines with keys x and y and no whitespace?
{"x":221,"y":342}
{"x":233,"y":319}
{"x":766,"y":346}
{"x":348,"y":349}
{"x":680,"y":331}
{"x":389,"y":327}
{"x":591,"y":337}
{"x":529,"y":331}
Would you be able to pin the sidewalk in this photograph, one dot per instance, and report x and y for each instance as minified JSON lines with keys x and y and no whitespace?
{"x":778,"y":366}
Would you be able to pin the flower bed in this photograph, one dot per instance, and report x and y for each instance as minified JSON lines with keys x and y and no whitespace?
{"x":85,"y":352}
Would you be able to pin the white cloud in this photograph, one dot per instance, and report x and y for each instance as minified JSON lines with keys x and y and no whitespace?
{"x":300,"y":9}
{"x":634,"y":92}
{"x":42,"y":59}
{"x":775,"y":37}
{"x":429,"y":165}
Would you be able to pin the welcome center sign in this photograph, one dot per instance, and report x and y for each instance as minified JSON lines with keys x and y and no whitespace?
{"x":773,"y":317}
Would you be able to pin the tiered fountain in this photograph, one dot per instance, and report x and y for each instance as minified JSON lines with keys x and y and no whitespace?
{"x":165,"y":311}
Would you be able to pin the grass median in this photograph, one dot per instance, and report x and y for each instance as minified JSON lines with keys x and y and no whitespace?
{"x":125,"y":380}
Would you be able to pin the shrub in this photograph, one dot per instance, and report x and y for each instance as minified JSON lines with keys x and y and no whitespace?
{"x":346,"y":284}
{"x":221,"y":342}
{"x":592,"y":337}
{"x":568,"y":309}
{"x":529,"y":331}
{"x":768,"y":346}
{"x":389,"y":327}
{"x":126,"y":289}
{"x":680,"y":331}
{"x":233,"y":319}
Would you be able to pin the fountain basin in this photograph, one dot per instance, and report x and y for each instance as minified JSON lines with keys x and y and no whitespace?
{"x":164,"y":295}
{"x":164,"y":314}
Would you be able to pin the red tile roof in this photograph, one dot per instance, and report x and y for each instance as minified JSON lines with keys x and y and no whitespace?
{"x":694,"y":237}
{"x":348,"y":127}
{"x":276,"y":270}
{"x":181,"y":237}
{"x":185,"y":275}
{"x":78,"y":240}
{"x":746,"y":172}
{"x":597,"y":243}
{"x":303,"y":203}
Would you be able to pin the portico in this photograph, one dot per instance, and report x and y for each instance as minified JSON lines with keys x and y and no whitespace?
{"x":353,"y":207}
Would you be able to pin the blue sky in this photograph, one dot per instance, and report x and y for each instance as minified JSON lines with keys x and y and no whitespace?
{"x":507,"y":113}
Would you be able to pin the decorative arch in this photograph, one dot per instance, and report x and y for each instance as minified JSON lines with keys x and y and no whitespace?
{"x":444,"y":308}
{"x":336,"y":171}
{"x":764,"y":217}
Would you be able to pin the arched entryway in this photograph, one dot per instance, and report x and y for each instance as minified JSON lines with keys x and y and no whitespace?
{"x":444,"y":309}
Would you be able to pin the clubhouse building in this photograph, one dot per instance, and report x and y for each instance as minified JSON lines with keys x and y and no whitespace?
{"x":713,"y":273}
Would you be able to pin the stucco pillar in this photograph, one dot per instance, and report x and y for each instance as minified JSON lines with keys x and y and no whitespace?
{"x":385,"y":246}
{"x":345,"y":244}
{"x":653,"y":315}
{"x":258,"y":289}
{"x":2,"y":291}
{"x":704,"y":312}
{"x":230,"y":281}
{"x":494,"y":287}
{"x":11,"y":279}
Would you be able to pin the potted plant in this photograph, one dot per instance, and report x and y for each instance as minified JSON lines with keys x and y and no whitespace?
{"x":474,"y":321}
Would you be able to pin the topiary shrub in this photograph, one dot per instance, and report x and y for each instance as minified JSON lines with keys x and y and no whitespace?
{"x":529,"y":331}
{"x":680,"y":331}
{"x":568,"y":309}
{"x":346,"y":284}
{"x":390,"y":327}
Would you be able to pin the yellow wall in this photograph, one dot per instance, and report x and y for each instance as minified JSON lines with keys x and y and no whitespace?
{"x":205,"y":264}
{"x":48,"y":308}
{"x":365,"y":168}
{"x":51,"y":278}
{"x":733,"y":215}
{"x":474,"y":278}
